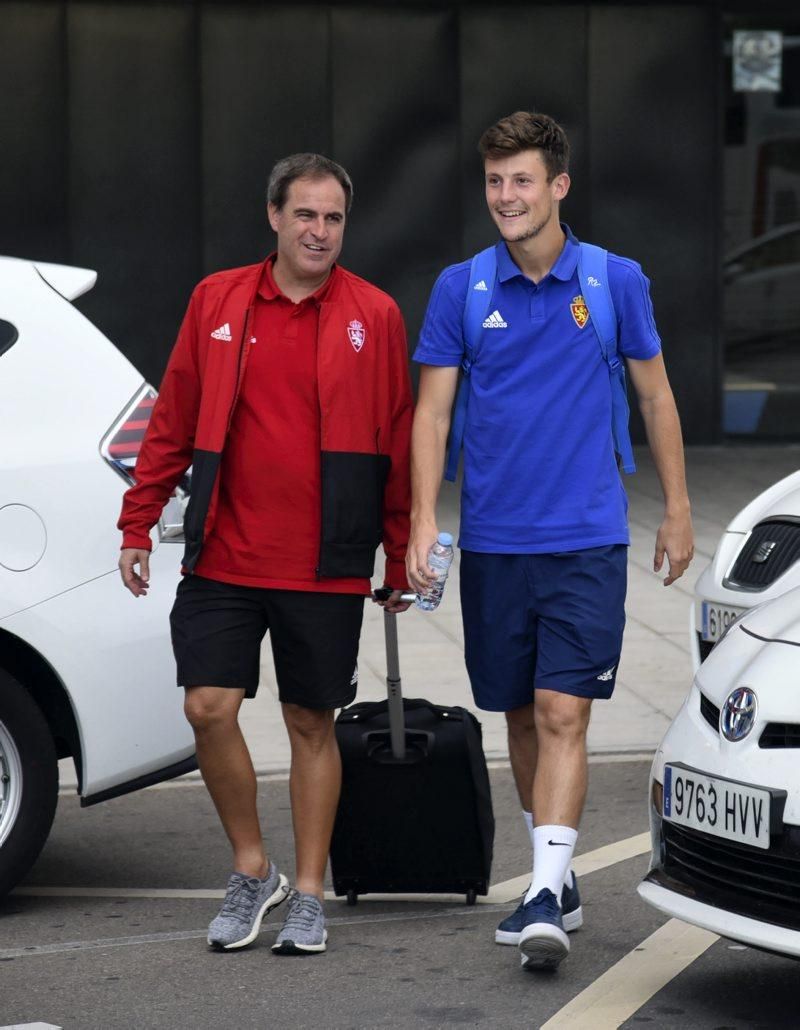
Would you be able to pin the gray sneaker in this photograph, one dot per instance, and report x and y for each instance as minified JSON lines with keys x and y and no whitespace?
{"x":303,"y":931}
{"x":247,"y":901}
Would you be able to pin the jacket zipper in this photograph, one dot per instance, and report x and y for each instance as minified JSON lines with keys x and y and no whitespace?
{"x":317,"y":571}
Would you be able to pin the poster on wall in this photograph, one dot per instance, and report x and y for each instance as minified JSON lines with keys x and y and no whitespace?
{"x":757,"y":61}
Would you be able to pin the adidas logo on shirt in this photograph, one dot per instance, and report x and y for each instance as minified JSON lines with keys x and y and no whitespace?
{"x":495,"y":321}
{"x":223,"y":333}
{"x":481,"y":286}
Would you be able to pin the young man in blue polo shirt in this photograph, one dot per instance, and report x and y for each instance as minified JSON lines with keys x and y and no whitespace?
{"x":544,"y":531}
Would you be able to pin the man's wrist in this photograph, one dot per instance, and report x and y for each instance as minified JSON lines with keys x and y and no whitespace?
{"x":421,"y":519}
{"x":678,"y":508}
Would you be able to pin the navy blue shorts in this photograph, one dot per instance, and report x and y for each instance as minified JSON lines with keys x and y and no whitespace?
{"x":542,"y":621}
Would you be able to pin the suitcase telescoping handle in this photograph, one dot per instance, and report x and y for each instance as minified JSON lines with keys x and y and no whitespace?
{"x":394,"y":688}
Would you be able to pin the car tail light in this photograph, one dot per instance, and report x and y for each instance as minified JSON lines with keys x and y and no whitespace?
{"x":120,"y":448}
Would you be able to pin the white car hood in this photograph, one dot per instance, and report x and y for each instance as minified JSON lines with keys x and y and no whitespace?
{"x":776,"y":620}
{"x":782,"y":498}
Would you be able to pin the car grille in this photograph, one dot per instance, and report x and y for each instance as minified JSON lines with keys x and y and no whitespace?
{"x":742,"y":879}
{"x":706,"y":647}
{"x":780,"y":734}
{"x":748,"y":574}
{"x":710,"y":712}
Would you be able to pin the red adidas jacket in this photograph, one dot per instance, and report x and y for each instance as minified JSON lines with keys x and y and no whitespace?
{"x":365,"y":417}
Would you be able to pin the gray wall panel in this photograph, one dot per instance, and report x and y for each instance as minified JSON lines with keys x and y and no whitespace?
{"x":33,"y":216}
{"x":653,"y":112}
{"x":395,"y":97}
{"x":266,"y":94}
{"x":134,"y":168}
{"x":534,"y":59}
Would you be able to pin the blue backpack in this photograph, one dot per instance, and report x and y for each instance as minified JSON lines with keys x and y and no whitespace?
{"x":593,"y":281}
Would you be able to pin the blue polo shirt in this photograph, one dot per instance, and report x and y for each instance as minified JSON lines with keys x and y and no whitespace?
{"x":540,"y":473}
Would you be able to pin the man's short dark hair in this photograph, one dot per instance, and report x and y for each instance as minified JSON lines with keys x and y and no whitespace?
{"x":305,"y":166}
{"x":527,"y":130}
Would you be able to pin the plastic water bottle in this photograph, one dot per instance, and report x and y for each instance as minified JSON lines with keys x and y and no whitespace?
{"x":440,"y":558}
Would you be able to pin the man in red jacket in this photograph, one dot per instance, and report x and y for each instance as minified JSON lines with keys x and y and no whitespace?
{"x":288,"y":393}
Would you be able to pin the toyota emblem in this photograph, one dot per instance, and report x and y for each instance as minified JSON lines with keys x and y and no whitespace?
{"x":738,"y":714}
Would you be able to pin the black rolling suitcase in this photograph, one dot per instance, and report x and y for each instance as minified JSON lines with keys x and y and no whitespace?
{"x":415,"y":814}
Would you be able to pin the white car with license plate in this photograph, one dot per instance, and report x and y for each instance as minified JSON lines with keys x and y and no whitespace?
{"x":757,"y":559}
{"x":86,"y":669}
{"x":725,"y":788}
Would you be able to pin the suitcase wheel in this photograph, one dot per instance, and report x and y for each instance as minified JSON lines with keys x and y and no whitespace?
{"x":352,"y":897}
{"x":472,"y":896}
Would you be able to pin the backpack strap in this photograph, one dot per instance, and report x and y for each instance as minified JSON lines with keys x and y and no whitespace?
{"x":482,"y":276}
{"x":593,"y":281}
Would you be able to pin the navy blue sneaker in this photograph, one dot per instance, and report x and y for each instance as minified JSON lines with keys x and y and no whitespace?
{"x":543,"y":942}
{"x":509,"y":930}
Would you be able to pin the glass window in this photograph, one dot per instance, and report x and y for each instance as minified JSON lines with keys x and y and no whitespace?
{"x":761,"y":230}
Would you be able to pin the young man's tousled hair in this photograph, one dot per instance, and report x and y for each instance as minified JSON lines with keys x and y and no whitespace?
{"x":305,"y":166}
{"x":528,"y":130}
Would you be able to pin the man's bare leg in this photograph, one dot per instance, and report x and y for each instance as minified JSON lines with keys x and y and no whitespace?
{"x":314,"y":784}
{"x":559,"y":786}
{"x":227,"y":770}
{"x":522,"y":751}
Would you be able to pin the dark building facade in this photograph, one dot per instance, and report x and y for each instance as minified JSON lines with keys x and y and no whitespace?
{"x":137,"y":138}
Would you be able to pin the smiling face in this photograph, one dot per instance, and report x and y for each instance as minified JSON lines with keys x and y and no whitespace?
{"x":521,"y":201}
{"x":310,"y":228}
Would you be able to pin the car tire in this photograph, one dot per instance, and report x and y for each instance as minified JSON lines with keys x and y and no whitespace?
{"x":28,"y":781}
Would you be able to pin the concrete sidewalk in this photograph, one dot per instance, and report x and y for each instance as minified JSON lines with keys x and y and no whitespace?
{"x":655,"y":671}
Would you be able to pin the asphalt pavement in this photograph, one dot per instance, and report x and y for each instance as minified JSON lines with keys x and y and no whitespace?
{"x":108,"y":932}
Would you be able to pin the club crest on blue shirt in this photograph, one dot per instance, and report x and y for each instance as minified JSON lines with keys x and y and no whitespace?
{"x":579,"y":311}
{"x":357,"y":334}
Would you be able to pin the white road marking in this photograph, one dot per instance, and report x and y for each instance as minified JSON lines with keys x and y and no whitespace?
{"x":194,"y":779}
{"x":499,"y":893}
{"x":31,"y":1026}
{"x":590,"y":862}
{"x":622,"y":990}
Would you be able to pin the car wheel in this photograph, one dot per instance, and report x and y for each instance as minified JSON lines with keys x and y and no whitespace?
{"x":28,"y":782}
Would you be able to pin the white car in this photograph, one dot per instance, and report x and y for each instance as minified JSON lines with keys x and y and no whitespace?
{"x":757,"y":559}
{"x":86,"y":669}
{"x":725,"y":788}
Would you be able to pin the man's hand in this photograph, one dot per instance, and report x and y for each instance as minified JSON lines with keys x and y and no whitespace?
{"x":393,"y":603}
{"x":136,"y":582}
{"x":675,"y":538}
{"x":420,"y":574}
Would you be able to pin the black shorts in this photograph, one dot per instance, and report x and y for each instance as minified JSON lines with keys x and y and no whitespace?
{"x":217,"y":629}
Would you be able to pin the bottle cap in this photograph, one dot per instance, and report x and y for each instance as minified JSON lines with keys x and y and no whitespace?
{"x":445,"y":539}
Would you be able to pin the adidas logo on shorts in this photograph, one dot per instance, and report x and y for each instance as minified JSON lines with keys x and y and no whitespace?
{"x":604,"y":677}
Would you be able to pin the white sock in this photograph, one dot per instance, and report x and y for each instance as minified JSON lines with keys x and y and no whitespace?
{"x":528,"y":817}
{"x":552,"y":854}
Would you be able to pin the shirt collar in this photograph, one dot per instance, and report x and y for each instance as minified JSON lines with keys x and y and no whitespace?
{"x":268,"y":289}
{"x":563,"y":269}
